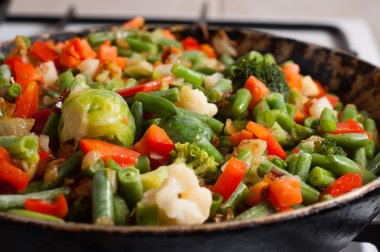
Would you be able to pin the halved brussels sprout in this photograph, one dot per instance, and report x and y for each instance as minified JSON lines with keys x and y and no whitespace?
{"x":94,"y":113}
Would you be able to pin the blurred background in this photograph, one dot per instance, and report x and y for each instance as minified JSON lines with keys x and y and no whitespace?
{"x":346,"y":24}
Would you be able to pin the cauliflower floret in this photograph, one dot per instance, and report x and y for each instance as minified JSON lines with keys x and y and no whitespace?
{"x":49,"y":72}
{"x":318,"y":106}
{"x":195,"y":100}
{"x":180,"y":199}
{"x":211,"y":80}
{"x":309,"y":88}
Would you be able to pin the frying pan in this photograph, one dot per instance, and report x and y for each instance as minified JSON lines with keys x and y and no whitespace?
{"x":325,"y":226}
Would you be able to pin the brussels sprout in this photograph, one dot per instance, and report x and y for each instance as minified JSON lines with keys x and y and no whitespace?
{"x":95,"y":113}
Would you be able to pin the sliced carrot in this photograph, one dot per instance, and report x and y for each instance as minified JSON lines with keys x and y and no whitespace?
{"x":135,"y":23}
{"x":25,"y":73}
{"x":255,"y":193}
{"x":107,"y":53}
{"x":167,"y":34}
{"x":285,"y":192}
{"x":208,"y":50}
{"x":292,"y":75}
{"x":27,"y":102}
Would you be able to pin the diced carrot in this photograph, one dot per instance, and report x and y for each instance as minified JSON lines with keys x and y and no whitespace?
{"x":107,"y":53}
{"x":285,"y":192}
{"x":167,"y":34}
{"x":25,"y":73}
{"x":299,"y":117}
{"x":292,"y":75}
{"x":257,"y":89}
{"x":255,"y":193}
{"x":83,"y":48}
{"x":121,"y":62}
{"x":43,"y":51}
{"x":237,"y":137}
{"x":208,"y":50}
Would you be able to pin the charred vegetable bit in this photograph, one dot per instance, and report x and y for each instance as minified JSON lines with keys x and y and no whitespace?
{"x":140,"y":126}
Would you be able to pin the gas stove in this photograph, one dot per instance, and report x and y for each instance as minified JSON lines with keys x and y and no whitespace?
{"x":350,"y":35}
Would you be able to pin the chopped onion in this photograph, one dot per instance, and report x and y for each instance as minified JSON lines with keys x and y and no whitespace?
{"x":318,"y":106}
{"x":89,"y":66}
{"x":15,"y":126}
{"x":211,"y":80}
{"x":49,"y":72}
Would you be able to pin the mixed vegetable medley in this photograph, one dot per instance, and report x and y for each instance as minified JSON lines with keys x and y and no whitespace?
{"x":131,"y":126}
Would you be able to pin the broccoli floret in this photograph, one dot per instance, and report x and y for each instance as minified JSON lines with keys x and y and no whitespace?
{"x":262,"y":67}
{"x":205,"y":167}
{"x":326,"y":147}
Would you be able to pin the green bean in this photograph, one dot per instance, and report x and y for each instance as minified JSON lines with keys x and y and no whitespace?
{"x":310,"y":121}
{"x":102,"y":199}
{"x":130,"y":186}
{"x":328,"y":120}
{"x":368,"y":176}
{"x":266,"y":118}
{"x":240,"y":105}
{"x":5,"y":74}
{"x":190,"y":76}
{"x":147,"y":215}
{"x":93,"y":168}
{"x":157,"y":105}
{"x":350,"y":141}
{"x":276,"y":101}
{"x":281,"y":135}
{"x":51,"y":127}
{"x":349,"y":112}
{"x":284,"y":120}
{"x":360,"y":157}
{"x":170,"y":94}
{"x":303,"y":166}
{"x":217,"y":92}
{"x":338,"y":107}
{"x":99,"y":85}
{"x":291,"y":109}
{"x":34,"y":215}
{"x":143,"y":164}
{"x":121,"y":211}
{"x":235,"y":200}
{"x":260,"y":108}
{"x":213,"y":123}
{"x":326,"y":197}
{"x":299,"y":132}
{"x":226,"y":59}
{"x":292,"y":161}
{"x":321,"y":178}
{"x":370,"y":126}
{"x":141,"y":46}
{"x":262,"y":209}
{"x":210,"y":149}
{"x":224,"y":142}
{"x":309,"y":194}
{"x":20,"y":147}
{"x":124,"y":52}
{"x":10,"y":92}
{"x":149,"y":122}
{"x":78,"y":211}
{"x":374,"y":164}
{"x":137,"y":112}
{"x":68,"y":168}
{"x":51,"y":93}
{"x":279,"y":162}
{"x":8,"y":201}
{"x":205,"y":70}
{"x":169,"y":42}
{"x":97,"y":38}
{"x":65,"y":80}
{"x":319,"y":160}
{"x":340,"y":165}
{"x":216,"y":202}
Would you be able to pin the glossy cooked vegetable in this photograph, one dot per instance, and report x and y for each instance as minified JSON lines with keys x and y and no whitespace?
{"x":132,"y":126}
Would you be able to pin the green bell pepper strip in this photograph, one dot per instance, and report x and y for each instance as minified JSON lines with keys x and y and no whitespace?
{"x":102,"y":199}
{"x":34,"y":215}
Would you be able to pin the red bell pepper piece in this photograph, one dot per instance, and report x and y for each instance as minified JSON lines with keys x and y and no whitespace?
{"x":58,"y":208}
{"x":10,"y":173}
{"x":274,"y":148}
{"x":83,"y":48}
{"x":123,"y":156}
{"x":44,"y":155}
{"x":349,"y":126}
{"x":43,"y":51}
{"x":332,"y":99}
{"x":229,"y":180}
{"x":237,"y":137}
{"x":344,"y":184}
{"x":190,"y":43}
{"x":285,"y":192}
{"x":322,"y":91}
{"x":12,"y":61}
{"x":145,"y":88}
{"x":107,"y":52}
{"x":27,"y":102}
{"x":40,"y":118}
{"x":25,"y":74}
{"x":156,"y":144}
